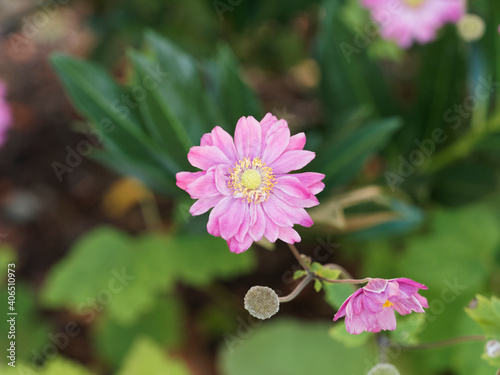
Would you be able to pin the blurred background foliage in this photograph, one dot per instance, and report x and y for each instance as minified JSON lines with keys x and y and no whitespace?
{"x":115,"y":276}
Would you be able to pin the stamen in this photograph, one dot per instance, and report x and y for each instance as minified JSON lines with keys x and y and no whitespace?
{"x":387,"y":304}
{"x":251,"y":180}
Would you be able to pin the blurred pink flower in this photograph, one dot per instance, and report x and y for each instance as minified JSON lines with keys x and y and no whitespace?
{"x":248,"y":185}
{"x":405,"y":21}
{"x":5,"y":114}
{"x":371,"y":308}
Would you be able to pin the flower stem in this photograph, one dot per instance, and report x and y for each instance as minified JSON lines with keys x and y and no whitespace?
{"x":443,"y":343}
{"x":298,"y":289}
{"x":298,"y":256}
{"x":345,"y":281}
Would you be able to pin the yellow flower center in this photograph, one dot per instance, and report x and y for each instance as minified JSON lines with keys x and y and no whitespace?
{"x":251,"y":180}
{"x":413,"y":3}
{"x":387,"y":304}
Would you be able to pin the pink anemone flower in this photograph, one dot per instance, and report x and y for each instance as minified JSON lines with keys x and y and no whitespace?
{"x":405,"y":21}
{"x":371,"y":308}
{"x":248,"y":184}
{"x":5,"y":114}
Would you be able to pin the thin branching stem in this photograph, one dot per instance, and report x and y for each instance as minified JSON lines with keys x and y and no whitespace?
{"x":299,"y":257}
{"x":298,"y":289}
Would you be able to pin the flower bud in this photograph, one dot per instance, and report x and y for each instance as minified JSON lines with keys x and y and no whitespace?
{"x":384,"y":369}
{"x":493,"y":348}
{"x":262,"y":302}
{"x":471,"y":27}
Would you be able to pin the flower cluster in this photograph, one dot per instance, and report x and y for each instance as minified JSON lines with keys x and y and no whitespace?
{"x":248,"y":185}
{"x":371,"y":308}
{"x":405,"y":21}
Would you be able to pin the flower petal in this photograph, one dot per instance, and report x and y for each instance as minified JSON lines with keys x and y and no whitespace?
{"x":219,"y":209}
{"x":204,"y":186}
{"x":202,"y":205}
{"x":297,"y":142}
{"x":276,"y":213}
{"x":288,"y":235}
{"x":238,"y":247}
{"x":258,"y":222}
{"x":276,"y":143}
{"x":230,"y":221}
{"x":185,"y":178}
{"x":204,"y":157}
{"x":221,"y":181}
{"x":247,"y":138}
{"x":291,"y":161}
{"x":224,"y":142}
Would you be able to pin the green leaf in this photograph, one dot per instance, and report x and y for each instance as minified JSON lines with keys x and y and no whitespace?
{"x":487,"y":315}
{"x":292,"y":348}
{"x":160,"y":121}
{"x":99,"y":99}
{"x":299,"y":273}
{"x":189,"y":255}
{"x":337,"y":50}
{"x":341,"y":158}
{"x":146,"y":357}
{"x":329,"y":273}
{"x":123,"y":282}
{"x":340,"y":334}
{"x":163,"y":324}
{"x":231,"y":94}
{"x":317,"y":285}
{"x":181,"y":96}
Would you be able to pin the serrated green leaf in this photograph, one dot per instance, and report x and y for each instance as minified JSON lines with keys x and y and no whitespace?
{"x":487,"y":315}
{"x":146,"y":357}
{"x":339,"y":333}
